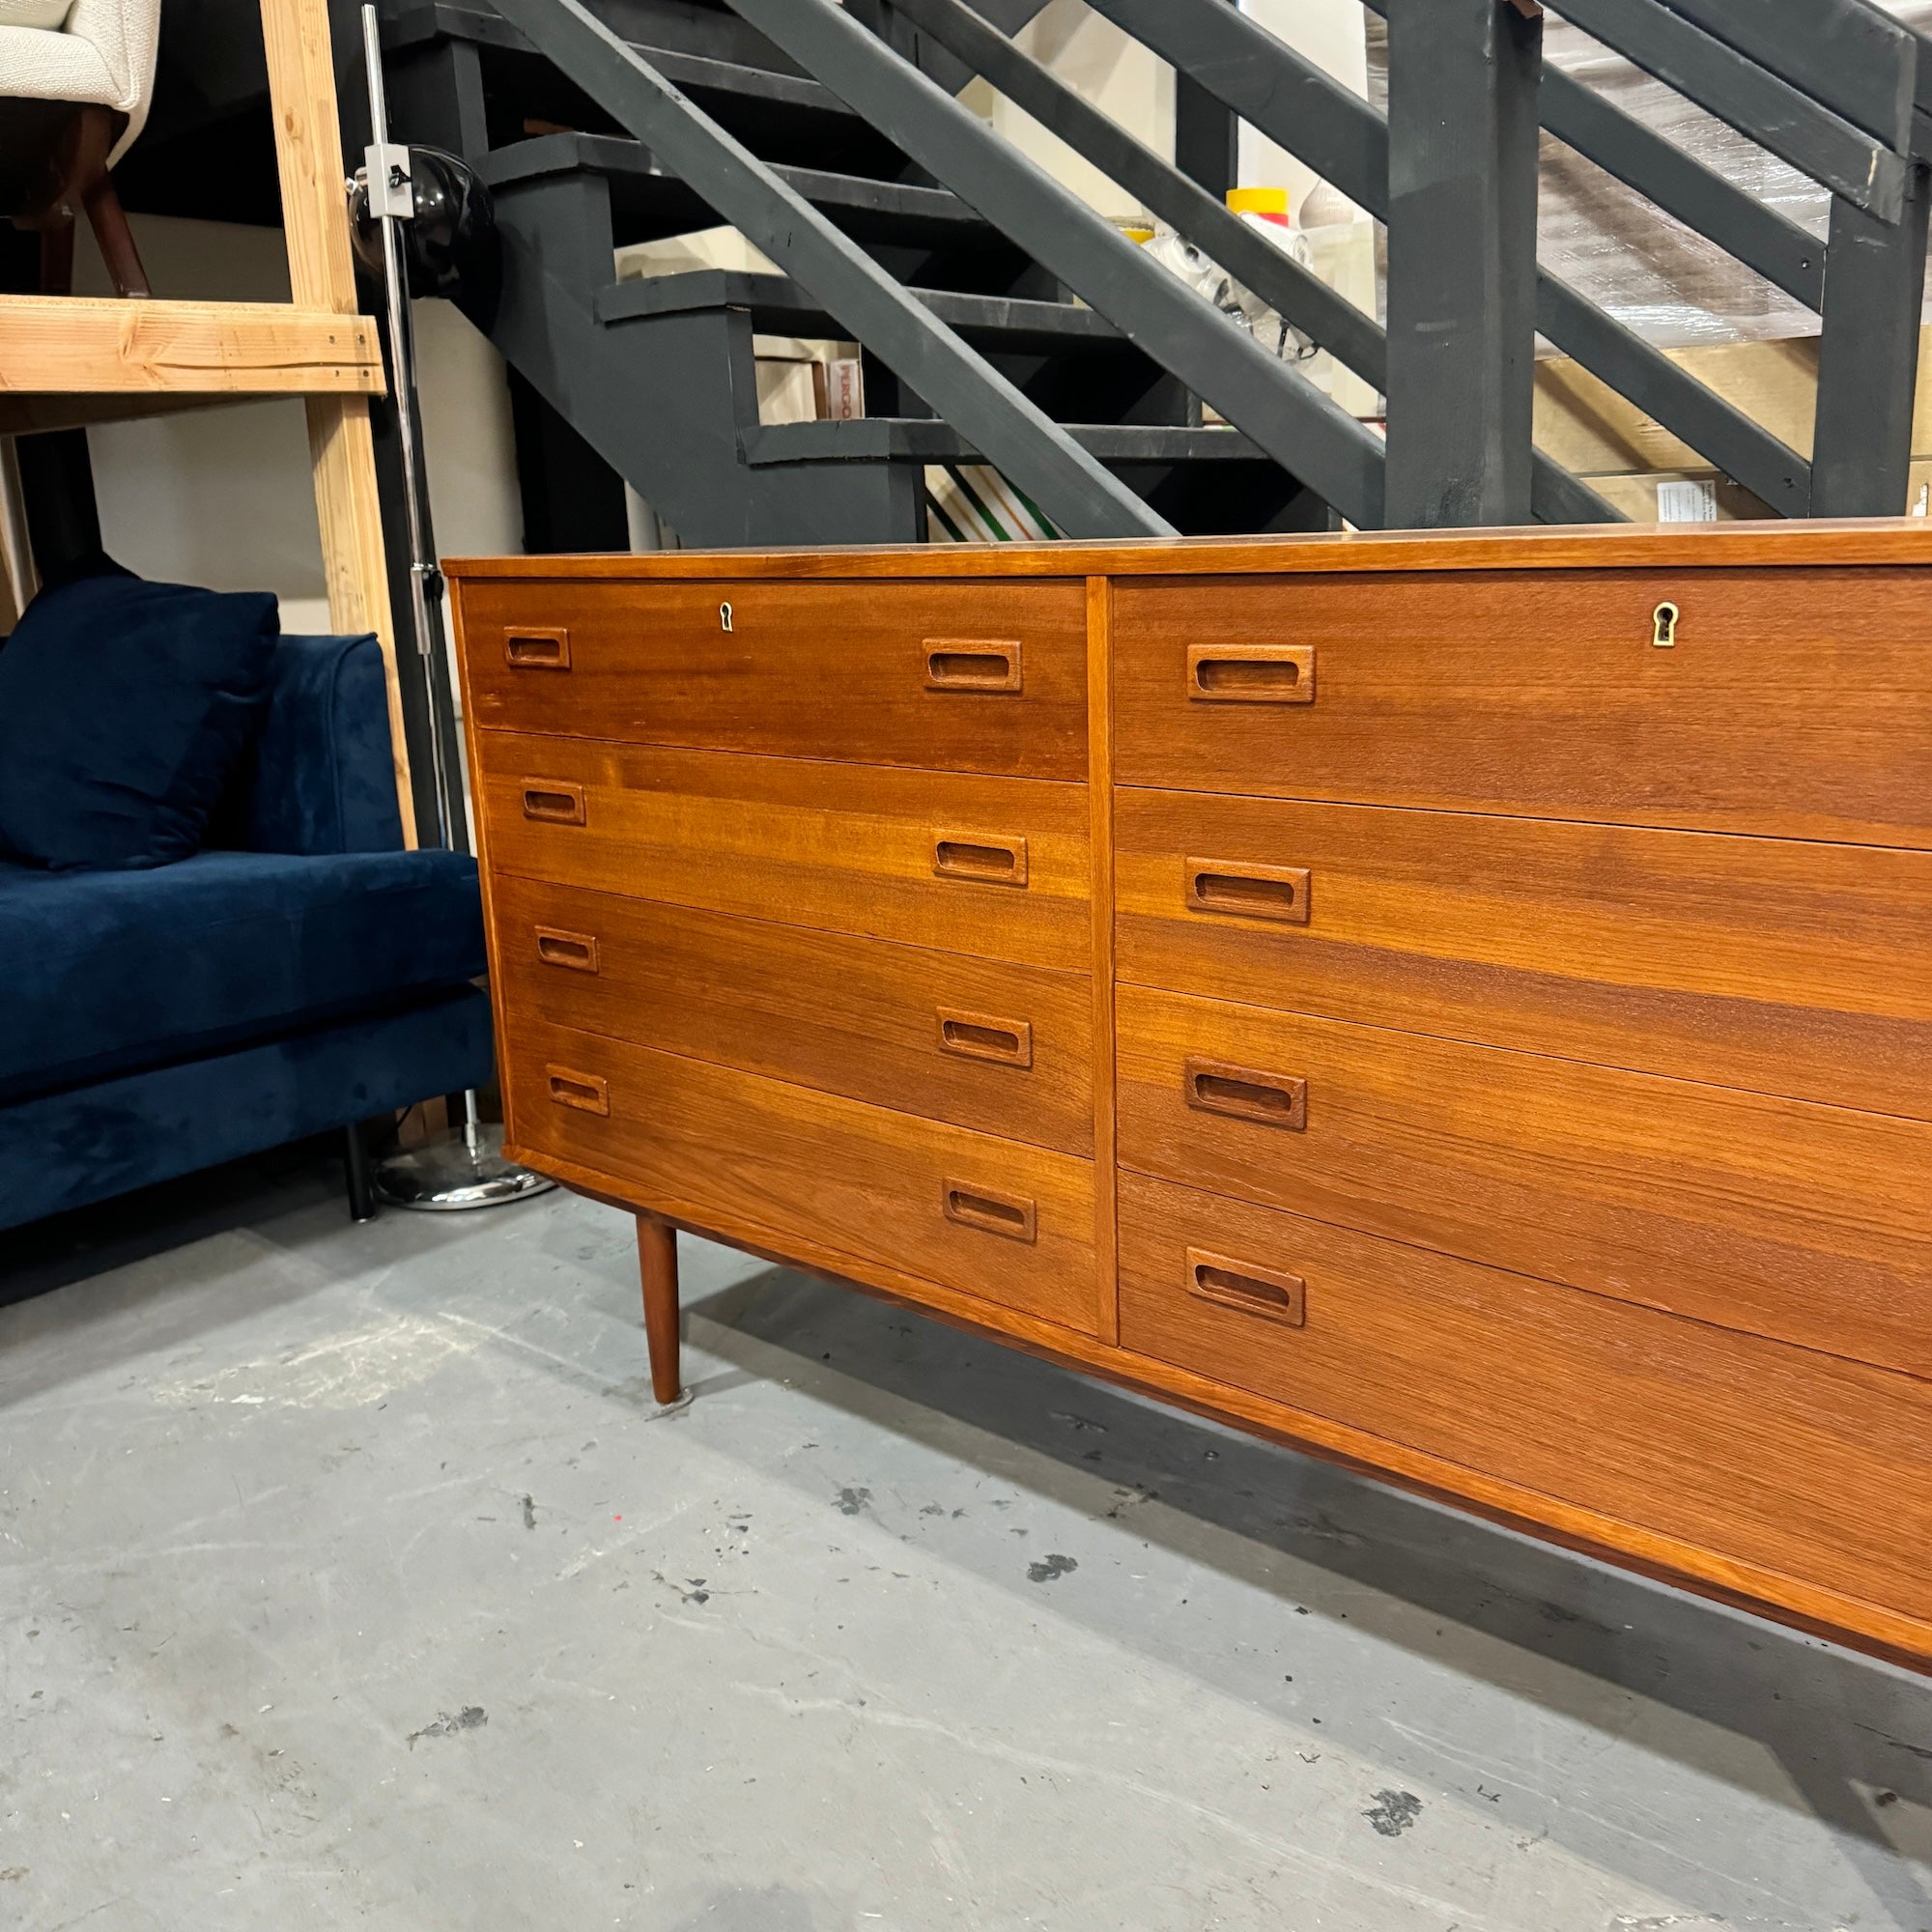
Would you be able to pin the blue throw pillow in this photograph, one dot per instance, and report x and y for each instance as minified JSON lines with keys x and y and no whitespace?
{"x":123,"y":706}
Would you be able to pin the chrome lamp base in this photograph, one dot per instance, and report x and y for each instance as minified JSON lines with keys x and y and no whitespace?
{"x":452,"y":1172}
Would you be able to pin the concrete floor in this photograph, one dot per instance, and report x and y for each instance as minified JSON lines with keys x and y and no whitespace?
{"x":351,"y":1576}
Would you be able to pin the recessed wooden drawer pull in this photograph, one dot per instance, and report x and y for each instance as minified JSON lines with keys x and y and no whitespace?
{"x":587,"y":1093}
{"x":992,"y":862}
{"x":537,"y":649}
{"x":554,"y":801}
{"x":976,"y":1036}
{"x":1273,"y":1099}
{"x":1252,"y":1290}
{"x":972,"y":663}
{"x":1252,"y":675}
{"x":577,"y":951}
{"x":991,"y":1211}
{"x":1253,"y":892}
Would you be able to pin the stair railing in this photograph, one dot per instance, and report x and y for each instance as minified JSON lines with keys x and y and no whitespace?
{"x":1078,"y":493}
{"x":1835,"y":88}
{"x":1277,"y":406}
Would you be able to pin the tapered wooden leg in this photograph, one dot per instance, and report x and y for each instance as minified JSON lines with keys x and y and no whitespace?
{"x":109,"y":220}
{"x":657,"y":1261}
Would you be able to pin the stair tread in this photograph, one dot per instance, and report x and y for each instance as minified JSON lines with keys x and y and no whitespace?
{"x":780,"y":306}
{"x":650,"y":201}
{"x":698,"y":73}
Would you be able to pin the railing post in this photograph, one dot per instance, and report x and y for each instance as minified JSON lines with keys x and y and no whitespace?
{"x":1207,"y":137}
{"x":1464,"y":78}
{"x":1869,"y":357}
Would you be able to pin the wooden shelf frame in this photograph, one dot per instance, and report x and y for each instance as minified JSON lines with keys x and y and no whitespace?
{"x":67,"y":359}
{"x":55,"y":347}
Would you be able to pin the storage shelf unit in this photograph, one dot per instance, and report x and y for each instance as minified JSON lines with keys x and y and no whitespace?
{"x":68,"y":361}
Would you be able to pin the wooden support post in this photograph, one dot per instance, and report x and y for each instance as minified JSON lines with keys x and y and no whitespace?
{"x":657,"y":1263}
{"x":322,"y":275}
{"x":1206,"y":137}
{"x":1462,"y":246}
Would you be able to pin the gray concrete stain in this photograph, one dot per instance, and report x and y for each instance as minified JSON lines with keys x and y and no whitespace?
{"x":1393,"y":1812}
{"x":1049,"y":1568}
{"x":471,"y":1717}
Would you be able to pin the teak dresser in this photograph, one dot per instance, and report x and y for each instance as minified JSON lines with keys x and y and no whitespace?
{"x":1458,"y":1004}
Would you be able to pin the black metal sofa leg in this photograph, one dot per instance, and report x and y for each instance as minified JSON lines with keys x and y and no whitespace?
{"x":361,"y":1174}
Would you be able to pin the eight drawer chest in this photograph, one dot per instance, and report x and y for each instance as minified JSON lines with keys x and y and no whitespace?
{"x":1461,"y":1004}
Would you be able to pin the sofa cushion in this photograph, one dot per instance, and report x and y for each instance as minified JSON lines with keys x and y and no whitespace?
{"x":67,"y":1149}
{"x":124,"y":707}
{"x":319,"y":775}
{"x":111,"y":972}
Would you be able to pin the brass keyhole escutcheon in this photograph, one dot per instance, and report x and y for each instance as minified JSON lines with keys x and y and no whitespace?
{"x":725,"y":616}
{"x":1665,"y":617}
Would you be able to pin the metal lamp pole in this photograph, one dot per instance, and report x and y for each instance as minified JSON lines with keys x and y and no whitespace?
{"x":464,"y":1167}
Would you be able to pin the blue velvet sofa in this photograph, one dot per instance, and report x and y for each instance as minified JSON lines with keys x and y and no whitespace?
{"x":301,"y":972}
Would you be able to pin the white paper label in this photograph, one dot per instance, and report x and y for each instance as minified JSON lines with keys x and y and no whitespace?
{"x":1692,"y":502}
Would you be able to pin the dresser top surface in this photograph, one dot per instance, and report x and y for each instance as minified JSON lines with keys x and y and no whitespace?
{"x":1887,"y":541}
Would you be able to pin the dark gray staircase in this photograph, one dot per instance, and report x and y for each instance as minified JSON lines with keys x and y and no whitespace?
{"x":657,"y":375}
{"x":1002,"y":320}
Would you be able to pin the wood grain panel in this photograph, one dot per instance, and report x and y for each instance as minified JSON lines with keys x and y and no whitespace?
{"x":1815,"y":543}
{"x":1775,"y":964}
{"x":859,"y":1017}
{"x":1798,"y":705}
{"x":979,"y":677}
{"x":1814,"y":1467}
{"x":840,"y":848}
{"x":1010,"y":1225}
{"x":1809,"y":1224}
{"x":220,"y":350}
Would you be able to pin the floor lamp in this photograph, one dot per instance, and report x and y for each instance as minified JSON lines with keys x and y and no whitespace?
{"x":463,"y":1167}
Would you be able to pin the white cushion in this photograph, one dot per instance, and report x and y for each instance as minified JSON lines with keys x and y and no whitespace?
{"x":44,"y":14}
{"x":105,"y":54}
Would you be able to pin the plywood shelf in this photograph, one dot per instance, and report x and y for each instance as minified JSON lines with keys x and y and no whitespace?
{"x":93,"y":352}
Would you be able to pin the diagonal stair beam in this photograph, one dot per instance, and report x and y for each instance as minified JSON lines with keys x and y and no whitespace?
{"x":1850,"y":56}
{"x":1769,"y":244}
{"x":1752,"y":100}
{"x":1281,"y":410}
{"x":1078,"y":493}
{"x":1335,"y":131}
{"x":1642,"y":374}
{"x":1336,"y":324}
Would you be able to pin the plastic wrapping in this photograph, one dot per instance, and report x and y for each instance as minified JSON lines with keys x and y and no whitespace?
{"x":1245,"y":309}
{"x":1658,"y":277}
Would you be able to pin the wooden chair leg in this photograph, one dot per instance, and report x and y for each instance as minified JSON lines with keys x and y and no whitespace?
{"x":117,"y":240}
{"x":78,"y":180}
{"x":657,"y":1262}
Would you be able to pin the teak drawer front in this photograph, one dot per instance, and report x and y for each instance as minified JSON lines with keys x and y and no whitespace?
{"x":1812,"y":1225}
{"x":992,"y":866}
{"x":1817,"y":1468}
{"x":1775,"y":964}
{"x":974,"y":677}
{"x":1006,"y":1050}
{"x":1794,"y":702}
{"x":742,"y":1156}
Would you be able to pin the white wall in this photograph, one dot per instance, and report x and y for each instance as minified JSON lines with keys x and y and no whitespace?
{"x":1330,"y":34}
{"x":1113,"y":72}
{"x":223,"y":496}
